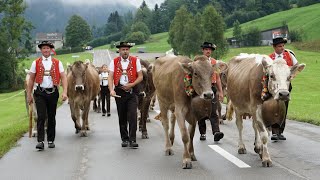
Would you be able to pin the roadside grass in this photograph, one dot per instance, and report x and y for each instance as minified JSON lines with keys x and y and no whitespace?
{"x":156,"y":43}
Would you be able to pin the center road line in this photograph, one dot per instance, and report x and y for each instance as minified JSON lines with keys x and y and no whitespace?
{"x":229,"y":156}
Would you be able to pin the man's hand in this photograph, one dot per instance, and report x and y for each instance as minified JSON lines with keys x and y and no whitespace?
{"x":220,"y":96}
{"x":64,"y":96}
{"x":127,"y":87}
{"x":113,"y":93}
{"x":30,"y":99}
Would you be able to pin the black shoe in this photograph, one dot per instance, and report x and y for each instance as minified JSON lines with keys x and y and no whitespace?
{"x":108,"y":114}
{"x":51,"y":144}
{"x":124,"y":143}
{"x":281,"y":137}
{"x":218,"y":136}
{"x":274,"y":137}
{"x":202,"y":137}
{"x":133,"y":144}
{"x":103,"y":114}
{"x":40,"y":146}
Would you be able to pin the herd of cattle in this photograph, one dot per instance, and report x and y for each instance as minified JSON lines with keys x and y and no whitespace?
{"x":241,"y":80}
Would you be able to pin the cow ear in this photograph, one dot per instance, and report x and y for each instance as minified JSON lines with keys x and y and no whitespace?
{"x":220,"y":66}
{"x":265,"y":63}
{"x":187,"y":67}
{"x":296,"y":69}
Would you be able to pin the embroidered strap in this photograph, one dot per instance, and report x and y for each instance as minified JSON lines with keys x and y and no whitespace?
{"x":188,"y":85}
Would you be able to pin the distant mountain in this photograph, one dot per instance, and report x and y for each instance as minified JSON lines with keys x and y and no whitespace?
{"x":53,"y":15}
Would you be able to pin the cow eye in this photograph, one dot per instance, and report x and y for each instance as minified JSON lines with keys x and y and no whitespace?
{"x":272,"y":76}
{"x":195,"y":74}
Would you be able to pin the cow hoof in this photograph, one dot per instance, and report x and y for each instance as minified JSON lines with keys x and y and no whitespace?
{"x":267,"y":163}
{"x":77,"y":131}
{"x":34,"y":134}
{"x":193,"y":158}
{"x":242,"y":151}
{"x":187,"y":165}
{"x":83,"y":134}
{"x":148,"y":120}
{"x":140,"y":128}
{"x":87,"y":128}
{"x":99,"y":111}
{"x":169,"y":152}
{"x":224,"y":117}
{"x":144,"y":136}
{"x":257,"y":150}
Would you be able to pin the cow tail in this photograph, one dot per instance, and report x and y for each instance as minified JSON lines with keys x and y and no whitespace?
{"x":230,"y":111}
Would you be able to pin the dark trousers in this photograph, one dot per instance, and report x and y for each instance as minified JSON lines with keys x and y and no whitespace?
{"x":46,"y":107}
{"x":214,"y":119}
{"x":127,"y":112}
{"x":279,"y":128}
{"x":105,"y":96}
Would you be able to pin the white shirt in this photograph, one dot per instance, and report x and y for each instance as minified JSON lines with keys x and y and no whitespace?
{"x":293,"y":58}
{"x":124,"y":63}
{"x":47,"y":63}
{"x":104,"y":78}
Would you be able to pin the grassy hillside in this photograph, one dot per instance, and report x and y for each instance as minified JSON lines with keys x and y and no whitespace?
{"x":305,"y":18}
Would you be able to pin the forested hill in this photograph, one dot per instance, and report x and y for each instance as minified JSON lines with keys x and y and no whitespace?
{"x":52,"y":15}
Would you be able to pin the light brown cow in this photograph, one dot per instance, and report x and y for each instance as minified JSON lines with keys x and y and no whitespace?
{"x":244,"y":86}
{"x":83,"y":86}
{"x":168,"y":74}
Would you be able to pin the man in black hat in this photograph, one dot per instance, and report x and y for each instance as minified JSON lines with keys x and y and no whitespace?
{"x":207,"y":49}
{"x":46,"y":72}
{"x":125,"y":74}
{"x":289,"y":56}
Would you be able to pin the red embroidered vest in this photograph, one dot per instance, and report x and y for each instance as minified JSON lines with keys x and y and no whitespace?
{"x":131,"y":70}
{"x":286,"y":56}
{"x":54,"y":71}
{"x":214,"y":76}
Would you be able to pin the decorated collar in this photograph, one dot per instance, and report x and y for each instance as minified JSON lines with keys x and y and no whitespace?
{"x":188,"y":88}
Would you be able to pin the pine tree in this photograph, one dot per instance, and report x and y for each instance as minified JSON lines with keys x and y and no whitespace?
{"x":237,"y":32}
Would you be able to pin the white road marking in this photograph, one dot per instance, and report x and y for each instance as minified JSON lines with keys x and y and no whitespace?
{"x":229,"y":156}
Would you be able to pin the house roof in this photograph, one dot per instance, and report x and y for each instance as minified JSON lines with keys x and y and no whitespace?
{"x":49,"y":36}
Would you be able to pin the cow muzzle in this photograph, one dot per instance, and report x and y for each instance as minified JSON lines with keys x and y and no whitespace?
{"x":283,"y":95}
{"x":79,"y":87}
{"x":207,"y":95}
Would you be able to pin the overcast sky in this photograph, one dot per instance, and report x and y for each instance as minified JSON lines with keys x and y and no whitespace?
{"x":136,"y":3}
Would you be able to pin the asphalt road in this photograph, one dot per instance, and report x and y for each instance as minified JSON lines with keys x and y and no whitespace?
{"x":100,"y":155}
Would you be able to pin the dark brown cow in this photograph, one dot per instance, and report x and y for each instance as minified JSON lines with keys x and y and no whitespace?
{"x":83,"y":86}
{"x":147,"y":91}
{"x":244,"y":86}
{"x":168,"y":74}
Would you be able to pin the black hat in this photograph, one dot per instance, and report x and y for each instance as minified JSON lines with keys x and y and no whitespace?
{"x":279,"y":40}
{"x":208,"y":45}
{"x":123,"y":44}
{"x":46,"y":43}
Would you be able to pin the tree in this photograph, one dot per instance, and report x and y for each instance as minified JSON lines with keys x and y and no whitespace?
{"x":155,"y":17}
{"x":6,"y":74}
{"x":253,"y":37}
{"x":214,"y":30}
{"x":237,"y":32}
{"x":115,"y":23}
{"x":15,"y":31}
{"x":192,"y":38}
{"x":137,"y":37}
{"x":78,"y":32}
{"x":144,"y":14}
{"x":177,"y":27}
{"x":142,"y":27}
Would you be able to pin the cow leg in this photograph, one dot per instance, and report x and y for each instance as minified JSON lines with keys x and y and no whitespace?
{"x":192,"y":128}
{"x":180,"y":115}
{"x":95,"y":107}
{"x":219,"y":107}
{"x":75,"y":115}
{"x":99,"y":104}
{"x":257,"y":139}
{"x":165,"y":125}
{"x":144,"y":116}
{"x":239,"y":122}
{"x":266,"y":160}
{"x":153,"y":101}
{"x":173,"y":124}
{"x":85,"y":122}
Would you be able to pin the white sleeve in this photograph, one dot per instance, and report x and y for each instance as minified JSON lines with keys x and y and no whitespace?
{"x":111,"y":66}
{"x":294,"y":59}
{"x":138,"y":64}
{"x":61,"y":69}
{"x":33,"y":67}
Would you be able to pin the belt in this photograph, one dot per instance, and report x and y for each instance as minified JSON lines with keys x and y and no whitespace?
{"x":47,"y":90}
{"x":119,"y":87}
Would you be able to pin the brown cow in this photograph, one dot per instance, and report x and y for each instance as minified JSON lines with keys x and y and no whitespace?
{"x":168,"y":74}
{"x":147,"y":90}
{"x":244,"y":86}
{"x":83,"y":86}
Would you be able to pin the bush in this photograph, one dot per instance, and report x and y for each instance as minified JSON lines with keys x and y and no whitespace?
{"x":252,"y":37}
{"x":136,"y":37}
{"x":105,"y":40}
{"x":112,"y":44}
{"x":67,"y":50}
{"x":296,"y":35}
